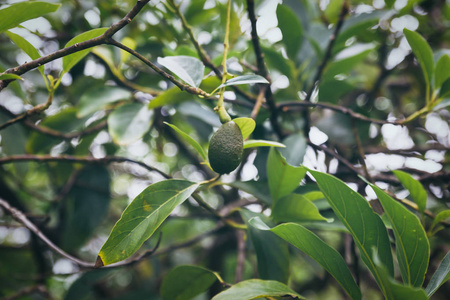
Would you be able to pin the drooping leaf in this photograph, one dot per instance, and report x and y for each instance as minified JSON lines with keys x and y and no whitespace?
{"x":244,"y":79}
{"x":365,"y":226}
{"x":296,"y":208}
{"x":441,"y":73}
{"x":423,"y":53}
{"x":17,"y":13}
{"x":247,"y":125}
{"x":26,"y":47}
{"x":142,"y":217}
{"x":412,"y":246}
{"x":86,"y":205}
{"x":283,"y":178}
{"x":188,"y":68}
{"x":272,"y":253}
{"x":171,"y":96}
{"x":129,"y":123}
{"x":256,"y":288}
{"x":314,"y":247}
{"x":190,"y":140}
{"x":186,"y":282}
{"x":295,"y":149}
{"x":8,"y":76}
{"x":415,"y":188}
{"x":97,"y":99}
{"x":440,"y":276}
{"x":262,"y":143}
{"x":292,"y":30}
{"x":71,"y":60}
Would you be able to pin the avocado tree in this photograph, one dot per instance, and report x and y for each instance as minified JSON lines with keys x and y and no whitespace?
{"x":224,"y":149}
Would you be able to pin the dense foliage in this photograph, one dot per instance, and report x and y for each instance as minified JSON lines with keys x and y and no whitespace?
{"x":106,"y":113}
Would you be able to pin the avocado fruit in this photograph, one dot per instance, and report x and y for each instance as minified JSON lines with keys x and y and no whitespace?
{"x":226,"y":148}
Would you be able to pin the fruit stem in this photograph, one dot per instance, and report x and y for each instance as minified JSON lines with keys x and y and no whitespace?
{"x":220,"y":109}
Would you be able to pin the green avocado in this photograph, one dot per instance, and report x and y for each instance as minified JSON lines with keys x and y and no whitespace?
{"x":225,"y":148}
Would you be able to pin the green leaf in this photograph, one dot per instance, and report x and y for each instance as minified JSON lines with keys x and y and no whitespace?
{"x":244,"y":79}
{"x":186,"y":282}
{"x":272,"y":253}
{"x":333,"y":10}
{"x":313,"y":246}
{"x":439,"y":277}
{"x":295,"y":149}
{"x":171,"y":96}
{"x":86,"y":205}
{"x":412,"y":246}
{"x":98,"y":98}
{"x":283,"y":178}
{"x":261,"y":143}
{"x":188,"y":68}
{"x":439,"y":217}
{"x":26,"y":47}
{"x":247,"y":125}
{"x":256,"y":288}
{"x":292,"y":30}
{"x":129,"y":122}
{"x":415,"y":188}
{"x":366,"y":227}
{"x":71,"y":60}
{"x":64,"y":121}
{"x":423,"y":53}
{"x":259,"y":189}
{"x":445,"y":90}
{"x":441,"y":73}
{"x":190,"y":140}
{"x":332,"y":90}
{"x":142,"y":217}
{"x":17,"y":13}
{"x":296,"y":208}
{"x":130,"y":43}
{"x":345,"y":65}
{"x":9,"y":76}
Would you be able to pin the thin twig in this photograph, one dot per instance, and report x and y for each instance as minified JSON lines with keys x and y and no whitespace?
{"x":240,"y":236}
{"x":79,"y":159}
{"x":262,"y":70}
{"x":360,"y":148}
{"x":259,"y":101}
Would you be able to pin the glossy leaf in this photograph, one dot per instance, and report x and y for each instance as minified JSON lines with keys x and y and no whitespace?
{"x":17,"y":13}
{"x":296,"y":208}
{"x":262,"y":143}
{"x":171,"y":96}
{"x":441,"y":73}
{"x":444,"y":91}
{"x":423,"y":53}
{"x":71,"y":60}
{"x":283,"y":178}
{"x":333,"y":10}
{"x":292,"y":30}
{"x":9,"y":76}
{"x":186,"y":282}
{"x":244,"y":79}
{"x":415,"y":188}
{"x":313,"y":246}
{"x":130,"y":43}
{"x":440,"y":276}
{"x":190,"y":140}
{"x":272,"y":253}
{"x":365,"y":226}
{"x":188,"y":68}
{"x":142,"y":217}
{"x":129,"y":123}
{"x":246,"y":125}
{"x":295,"y":149}
{"x":26,"y":47}
{"x":97,"y":99}
{"x":345,"y":65}
{"x":412,"y":246}
{"x":256,"y":288}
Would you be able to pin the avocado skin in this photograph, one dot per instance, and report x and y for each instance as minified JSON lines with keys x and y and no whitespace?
{"x":226,"y":148}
